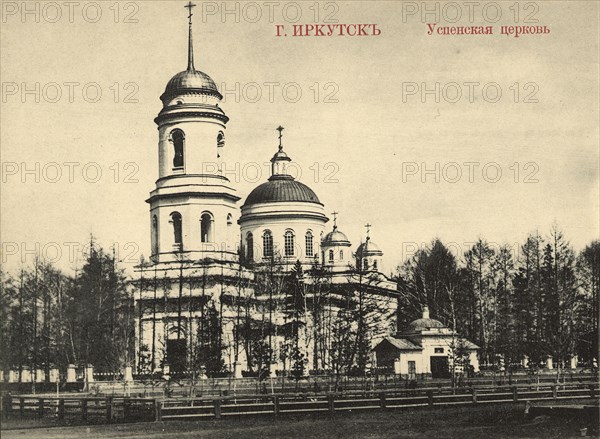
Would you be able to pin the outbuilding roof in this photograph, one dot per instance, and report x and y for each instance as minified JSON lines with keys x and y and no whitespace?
{"x":402,"y":344}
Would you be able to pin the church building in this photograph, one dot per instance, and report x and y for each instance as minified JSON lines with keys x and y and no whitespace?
{"x":216,"y":291}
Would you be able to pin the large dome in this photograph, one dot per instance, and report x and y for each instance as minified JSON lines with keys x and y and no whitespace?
{"x":282,"y":188}
{"x":191,"y":80}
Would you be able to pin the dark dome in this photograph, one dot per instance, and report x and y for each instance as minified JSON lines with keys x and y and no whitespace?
{"x":191,"y":80}
{"x":424,"y":324}
{"x":280,"y":189}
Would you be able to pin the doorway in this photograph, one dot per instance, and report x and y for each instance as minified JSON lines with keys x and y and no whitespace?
{"x":176,"y":354}
{"x":439,"y":367}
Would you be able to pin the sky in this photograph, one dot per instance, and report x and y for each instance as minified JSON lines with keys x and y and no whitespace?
{"x":507,"y":145}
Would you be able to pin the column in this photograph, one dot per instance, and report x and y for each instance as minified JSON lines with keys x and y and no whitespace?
{"x":89,"y":373}
{"x":71,"y":374}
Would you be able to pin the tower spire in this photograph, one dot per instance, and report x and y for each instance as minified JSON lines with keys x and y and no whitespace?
{"x":190,"y":66}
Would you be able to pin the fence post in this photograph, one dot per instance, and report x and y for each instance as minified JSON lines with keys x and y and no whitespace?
{"x":474,"y":395}
{"x":109,"y":409}
{"x":22,"y":406}
{"x":7,"y":405}
{"x":276,"y":405}
{"x":515,"y":393}
{"x":217,"y":403}
{"x":554,"y":391}
{"x":157,"y":410}
{"x":61,"y":408}
{"x":430,"y":397}
{"x":592,"y":392}
{"x":40,"y":412}
{"x":84,"y":407}
{"x":331,"y":402}
{"x":126,"y":407}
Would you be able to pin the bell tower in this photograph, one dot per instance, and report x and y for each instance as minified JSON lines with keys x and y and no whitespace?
{"x":193,"y":209}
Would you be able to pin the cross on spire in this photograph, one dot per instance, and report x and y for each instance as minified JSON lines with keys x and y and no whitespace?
{"x":368,"y":226}
{"x":280,"y":129}
{"x":335,"y":214}
{"x":189,"y":6}
{"x":190,"y":67}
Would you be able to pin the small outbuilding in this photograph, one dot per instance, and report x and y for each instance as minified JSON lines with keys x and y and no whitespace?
{"x":425,"y":348}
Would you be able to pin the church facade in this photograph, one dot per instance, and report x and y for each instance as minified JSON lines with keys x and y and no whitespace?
{"x":243,"y":284}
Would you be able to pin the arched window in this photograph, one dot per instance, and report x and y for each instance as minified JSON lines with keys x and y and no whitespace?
{"x":229,"y":220}
{"x":330,"y":255}
{"x":365,"y":264}
{"x":250,"y":246}
{"x":267,"y":244}
{"x":220,"y":143}
{"x":178,"y":138}
{"x":155,"y":244}
{"x":308,"y":241}
{"x":375,"y":264}
{"x":177,"y":229}
{"x":288,"y":241}
{"x":341,"y":255}
{"x":206,"y":227}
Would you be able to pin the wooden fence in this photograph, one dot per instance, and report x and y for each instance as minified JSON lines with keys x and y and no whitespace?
{"x":117,"y":409}
{"x":217,"y":387}
{"x":86,"y":409}
{"x":278,"y":404}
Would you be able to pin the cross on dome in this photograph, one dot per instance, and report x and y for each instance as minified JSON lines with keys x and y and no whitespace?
{"x":335,"y":214}
{"x":280,"y":129}
{"x":190,"y":67}
{"x":368,"y":226}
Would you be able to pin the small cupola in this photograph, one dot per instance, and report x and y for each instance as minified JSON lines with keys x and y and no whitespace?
{"x":280,"y":160}
{"x":368,"y":254}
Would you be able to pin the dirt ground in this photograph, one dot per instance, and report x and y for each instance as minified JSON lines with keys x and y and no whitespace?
{"x":485,"y":421}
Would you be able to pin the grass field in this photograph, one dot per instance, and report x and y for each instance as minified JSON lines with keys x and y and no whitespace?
{"x":483,"y":421}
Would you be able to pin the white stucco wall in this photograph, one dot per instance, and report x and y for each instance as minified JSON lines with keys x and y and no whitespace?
{"x":279,"y":217}
{"x":422,"y":358}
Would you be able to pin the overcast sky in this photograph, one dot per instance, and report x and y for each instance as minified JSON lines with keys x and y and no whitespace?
{"x":370,"y":126}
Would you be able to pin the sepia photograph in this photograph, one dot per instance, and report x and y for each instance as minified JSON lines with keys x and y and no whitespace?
{"x":299,"y":219}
